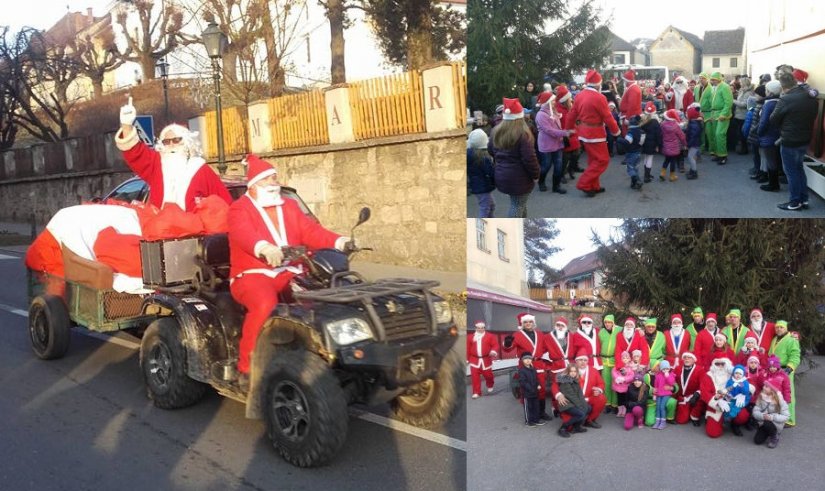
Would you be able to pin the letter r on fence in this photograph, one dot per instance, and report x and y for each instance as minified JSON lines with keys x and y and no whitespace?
{"x":435,"y":93}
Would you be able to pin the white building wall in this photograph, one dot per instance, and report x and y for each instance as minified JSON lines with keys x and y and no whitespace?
{"x":486,"y":267}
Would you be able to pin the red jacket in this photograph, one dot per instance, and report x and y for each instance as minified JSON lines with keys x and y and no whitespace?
{"x":637,"y":343}
{"x":573,"y":139}
{"x":673,"y":353}
{"x":522,"y":343}
{"x":589,"y":115}
{"x":631,"y":103}
{"x":687,"y":385}
{"x":145,"y":162}
{"x":742,"y":357}
{"x":247,"y":226}
{"x":559,"y":358}
{"x":755,"y":380}
{"x":579,"y":341}
{"x":702,"y":348}
{"x":764,"y":338}
{"x":479,"y":351}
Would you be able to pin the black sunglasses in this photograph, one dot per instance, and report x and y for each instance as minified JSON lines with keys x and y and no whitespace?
{"x":172,"y":141}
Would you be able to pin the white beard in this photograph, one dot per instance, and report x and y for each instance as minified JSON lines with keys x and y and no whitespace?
{"x":269,"y":196}
{"x":679,"y":94}
{"x":177,"y":169}
{"x":477,"y":336}
{"x":677,"y":331}
{"x":560,"y":333}
{"x":587,"y":330}
{"x":757,"y":326}
{"x":720,"y":377}
{"x":628,"y":334}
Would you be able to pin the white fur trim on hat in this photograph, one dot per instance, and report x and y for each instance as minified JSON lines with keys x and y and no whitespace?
{"x":527,"y":317}
{"x":688,"y":353}
{"x":508,"y":116}
{"x":582,"y":357}
{"x":566,"y":97}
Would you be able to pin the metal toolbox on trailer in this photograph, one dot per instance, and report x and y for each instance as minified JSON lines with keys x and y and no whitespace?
{"x":169,"y":262}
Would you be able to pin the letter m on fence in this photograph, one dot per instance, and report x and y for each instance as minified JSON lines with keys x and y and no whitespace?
{"x":435,"y":93}
{"x":256,"y":127}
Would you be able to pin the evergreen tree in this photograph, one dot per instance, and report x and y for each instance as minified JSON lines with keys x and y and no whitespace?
{"x":508,"y":44}
{"x":665,"y":266}
{"x":538,"y":235}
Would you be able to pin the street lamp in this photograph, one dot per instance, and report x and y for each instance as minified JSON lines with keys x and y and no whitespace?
{"x":215,"y":42}
{"x":163,"y":68}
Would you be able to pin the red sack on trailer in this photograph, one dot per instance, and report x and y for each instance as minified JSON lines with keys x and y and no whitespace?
{"x":44,"y":255}
{"x":172,"y":222}
{"x":121,"y":252}
{"x":214,"y":213}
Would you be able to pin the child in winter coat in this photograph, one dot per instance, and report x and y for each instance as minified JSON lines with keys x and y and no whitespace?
{"x":480,"y":172}
{"x":771,"y":413}
{"x":738,"y":392}
{"x":662,"y":391}
{"x":652,"y":138}
{"x":751,"y":349}
{"x":528,"y":381}
{"x":673,"y":140}
{"x":632,"y":144}
{"x":622,"y":376}
{"x":694,"y":138}
{"x":778,"y":377}
{"x":756,"y":379}
{"x":636,"y":402}
{"x":636,"y":362}
{"x":571,"y":400}
{"x":611,"y":140}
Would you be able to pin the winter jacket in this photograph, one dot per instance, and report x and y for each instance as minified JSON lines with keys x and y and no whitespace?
{"x":653,"y":137}
{"x":663,"y":384}
{"x":673,"y":139}
{"x":528,"y":380}
{"x":794,"y":115}
{"x":516,"y":168}
{"x":636,"y":397}
{"x":746,"y":126}
{"x":781,"y":380}
{"x":741,"y":103}
{"x":768,"y":133}
{"x":480,"y":172}
{"x":632,"y":141}
{"x":694,"y":139}
{"x":753,"y":129}
{"x":572,"y":392}
{"x":622,"y":386}
{"x":551,"y":136}
{"x":735,"y":390}
{"x":779,"y":415}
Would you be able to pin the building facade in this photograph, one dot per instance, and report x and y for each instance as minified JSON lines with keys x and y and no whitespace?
{"x":723,"y":51}
{"x":678,"y":50}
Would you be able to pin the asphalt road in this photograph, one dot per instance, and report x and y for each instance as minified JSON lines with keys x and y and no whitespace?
{"x":722,"y":191}
{"x":506,"y":455}
{"x":84,"y":422}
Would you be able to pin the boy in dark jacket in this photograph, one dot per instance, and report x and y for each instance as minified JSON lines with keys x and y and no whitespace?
{"x":632,"y":144}
{"x":694,"y":138}
{"x":480,"y":173}
{"x":528,"y":380}
{"x":653,"y":138}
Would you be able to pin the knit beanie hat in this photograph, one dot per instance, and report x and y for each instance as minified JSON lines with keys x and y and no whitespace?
{"x":609,"y":317}
{"x":773,"y":87}
{"x":477,"y":139}
{"x":773,"y":362}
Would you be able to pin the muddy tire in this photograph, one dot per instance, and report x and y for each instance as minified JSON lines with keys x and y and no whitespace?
{"x":49,"y":327}
{"x":432,"y":402}
{"x":306,"y":410}
{"x":163,"y":363}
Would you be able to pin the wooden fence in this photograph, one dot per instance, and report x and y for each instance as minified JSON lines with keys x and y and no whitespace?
{"x":387,"y":106}
{"x":460,"y":89}
{"x":235,"y":132}
{"x":298,"y":120}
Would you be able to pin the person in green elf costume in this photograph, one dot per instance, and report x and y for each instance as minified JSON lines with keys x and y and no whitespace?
{"x":721,"y":107}
{"x":703,"y":94}
{"x":735,"y":331}
{"x":786,"y":347}
{"x":650,"y":409}
{"x":607,"y":339}
{"x":696,"y":326}
{"x":654,"y":342}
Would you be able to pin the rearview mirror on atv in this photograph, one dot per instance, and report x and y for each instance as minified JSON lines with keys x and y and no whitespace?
{"x":363,"y":216}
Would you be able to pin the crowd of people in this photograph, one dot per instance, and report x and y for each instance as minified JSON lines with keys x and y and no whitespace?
{"x":544,"y":133}
{"x":736,"y":375}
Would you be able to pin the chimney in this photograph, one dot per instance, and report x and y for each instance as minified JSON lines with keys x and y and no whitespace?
{"x":90,"y":15}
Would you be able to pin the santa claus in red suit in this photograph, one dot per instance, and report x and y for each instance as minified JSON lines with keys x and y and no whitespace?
{"x":628,"y":340}
{"x":762,"y":330}
{"x":482,"y":348}
{"x":704,"y":342}
{"x":721,"y":348}
{"x":712,"y":390}
{"x":528,"y":339}
{"x":677,"y":340}
{"x":586,"y":339}
{"x":631,"y":103}
{"x":592,"y":385}
{"x":176,"y":172}
{"x":683,"y":94}
{"x":260,"y":223}
{"x":688,"y":403}
{"x":558,"y":345}
{"x":589,"y":116}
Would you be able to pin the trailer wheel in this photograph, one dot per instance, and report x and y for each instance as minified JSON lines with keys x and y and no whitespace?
{"x":49,"y":326}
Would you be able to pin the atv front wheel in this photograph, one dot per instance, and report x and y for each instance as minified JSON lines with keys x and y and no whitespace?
{"x":306,"y":410}
{"x":432,"y":402}
{"x":163,"y":363}
{"x":49,"y":326}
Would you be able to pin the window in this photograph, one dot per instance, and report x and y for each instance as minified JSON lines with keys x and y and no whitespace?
{"x":619,"y":60}
{"x":502,"y":246}
{"x":734,"y":62}
{"x":481,"y":234}
{"x":716,"y":63}
{"x":132,"y":190}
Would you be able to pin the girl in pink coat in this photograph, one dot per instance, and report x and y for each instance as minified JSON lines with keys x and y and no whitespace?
{"x":622,"y":377}
{"x":662,"y":390}
{"x":673,"y":141}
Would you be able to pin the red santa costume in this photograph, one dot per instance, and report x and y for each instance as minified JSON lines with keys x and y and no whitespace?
{"x":256,"y":224}
{"x":688,"y":381}
{"x":721,"y":348}
{"x":631,"y":103}
{"x":533,"y":344}
{"x":715,"y":380}
{"x":683,"y":94}
{"x":589,"y":116}
{"x":751,"y":349}
{"x":557,"y":345}
{"x":670,"y":98}
{"x":586,"y":339}
{"x":704,"y":342}
{"x":482,"y":347}
{"x":628,"y":340}
{"x":176,"y":173}
{"x":592,"y":385}
{"x":763,"y":331}
{"x":674,"y":349}
{"x":562,"y":96}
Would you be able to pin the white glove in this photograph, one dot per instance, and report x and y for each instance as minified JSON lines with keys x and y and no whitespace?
{"x":272,"y":254}
{"x":493,"y":354}
{"x":724,"y":405}
{"x":740,"y":400}
{"x":128,"y":113}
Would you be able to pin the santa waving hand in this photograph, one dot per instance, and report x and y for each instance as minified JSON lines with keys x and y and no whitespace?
{"x":175,"y":173}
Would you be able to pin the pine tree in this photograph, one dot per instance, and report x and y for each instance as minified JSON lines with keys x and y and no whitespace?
{"x":507,"y":45}
{"x":665,"y":266}
{"x":538,"y":235}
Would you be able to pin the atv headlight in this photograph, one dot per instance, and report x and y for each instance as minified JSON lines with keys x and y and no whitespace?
{"x":443,"y":314}
{"x":348,"y":331}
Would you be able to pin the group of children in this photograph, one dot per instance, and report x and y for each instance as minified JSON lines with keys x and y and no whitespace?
{"x":634,"y":393}
{"x":646,"y":136}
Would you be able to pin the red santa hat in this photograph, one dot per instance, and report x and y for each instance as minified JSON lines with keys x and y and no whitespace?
{"x":675,"y":317}
{"x":629,"y":76}
{"x":512,"y":109}
{"x":688,"y":354}
{"x":671,"y":115}
{"x":774,"y":385}
{"x":611,"y":105}
{"x":711,"y":316}
{"x":480,"y":324}
{"x":544,"y":97}
{"x":593,"y":78}
{"x":650,"y":108}
{"x":582,"y":353}
{"x":524,"y":317}
{"x":562,"y":94}
{"x":751,"y":338}
{"x":632,"y":320}
{"x":257,"y":169}
{"x":562,"y":320}
{"x":720,"y":335}
{"x":756,"y":309}
{"x":693,"y":112}
{"x":801,"y":76}
{"x":585,"y":317}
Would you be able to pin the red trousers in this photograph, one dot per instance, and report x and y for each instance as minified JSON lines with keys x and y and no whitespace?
{"x":685,"y":412}
{"x":476,"y":374}
{"x":714,"y":429}
{"x":259,"y":294}
{"x":597,"y":159}
{"x":597,"y":404}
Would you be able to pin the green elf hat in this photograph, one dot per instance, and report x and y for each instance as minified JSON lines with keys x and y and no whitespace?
{"x":610,"y":318}
{"x":782,"y":324}
{"x":704,"y":75}
{"x":735,"y":313}
{"x":697,"y":310}
{"x":650,"y":322}
{"x":716,"y":76}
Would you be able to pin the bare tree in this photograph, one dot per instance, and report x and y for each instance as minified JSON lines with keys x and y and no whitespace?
{"x":95,"y":57}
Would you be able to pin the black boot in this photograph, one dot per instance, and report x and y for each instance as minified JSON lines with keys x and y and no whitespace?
{"x":543,"y":410}
{"x":556,"y":185}
{"x":692,"y":174}
{"x":735,"y":429}
{"x":722,"y":160}
{"x":762,"y":178}
{"x":577,"y":428}
{"x":773,"y":182}
{"x":635,"y":183}
{"x":648,"y":177}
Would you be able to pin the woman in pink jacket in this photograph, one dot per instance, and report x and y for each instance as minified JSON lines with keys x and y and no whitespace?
{"x":551,"y":141}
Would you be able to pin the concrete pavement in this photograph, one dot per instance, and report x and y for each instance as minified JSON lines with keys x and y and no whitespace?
{"x":722,"y":191}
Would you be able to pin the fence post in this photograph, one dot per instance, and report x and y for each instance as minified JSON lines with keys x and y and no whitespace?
{"x":439,"y":98}
{"x":339,"y":114}
{"x":260,"y":131}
